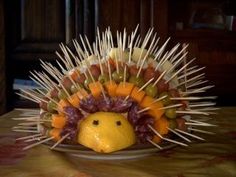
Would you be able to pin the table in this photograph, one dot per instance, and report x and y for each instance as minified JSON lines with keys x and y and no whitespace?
{"x":214,"y":157}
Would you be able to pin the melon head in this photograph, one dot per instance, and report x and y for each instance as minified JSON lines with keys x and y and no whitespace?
{"x":106,"y":132}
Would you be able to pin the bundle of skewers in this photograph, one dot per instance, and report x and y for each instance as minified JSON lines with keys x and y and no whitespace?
{"x":117,"y":93}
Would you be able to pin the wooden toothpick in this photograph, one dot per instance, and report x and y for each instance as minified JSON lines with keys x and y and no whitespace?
{"x":189,"y":134}
{"x":155,"y":144}
{"x":60,"y":141}
{"x":167,"y":139}
{"x":38,"y":143}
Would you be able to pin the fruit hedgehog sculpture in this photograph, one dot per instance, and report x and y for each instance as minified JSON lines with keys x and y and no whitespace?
{"x":117,"y":93}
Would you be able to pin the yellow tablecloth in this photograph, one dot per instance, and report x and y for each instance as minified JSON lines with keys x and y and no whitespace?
{"x":215,"y":157}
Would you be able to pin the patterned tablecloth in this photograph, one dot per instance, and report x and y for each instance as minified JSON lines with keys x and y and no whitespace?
{"x":215,"y":157}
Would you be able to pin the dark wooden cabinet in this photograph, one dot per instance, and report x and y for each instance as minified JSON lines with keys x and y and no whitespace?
{"x":218,"y":55}
{"x":2,"y":61}
{"x":34,"y":28}
{"x":203,"y":25}
{"x":120,"y":14}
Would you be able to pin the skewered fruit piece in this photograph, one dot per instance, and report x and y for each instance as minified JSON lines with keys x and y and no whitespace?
{"x":138,"y":81}
{"x":56,"y":133}
{"x":58,"y":121}
{"x":171,"y":113}
{"x":62,"y":94}
{"x":137,"y":94}
{"x":90,"y":60}
{"x":119,"y":54}
{"x":103,"y":78}
{"x":118,"y":76}
{"x":96,"y":89}
{"x":166,"y":100}
{"x":151,"y":90}
{"x":111,"y":88}
{"x":52,"y":106}
{"x":150,"y":73}
{"x":124,"y":89}
{"x":154,"y":107}
{"x":138,"y":53}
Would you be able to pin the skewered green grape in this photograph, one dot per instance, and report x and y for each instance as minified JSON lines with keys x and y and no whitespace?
{"x":48,"y":117}
{"x":151,"y":90}
{"x":166,"y":101}
{"x":87,"y":82}
{"x":119,"y":77}
{"x":138,"y":81}
{"x":172,"y":124}
{"x":170,"y":113}
{"x":62,"y":94}
{"x":75,"y":88}
{"x":103,"y":78}
{"x":52,"y":106}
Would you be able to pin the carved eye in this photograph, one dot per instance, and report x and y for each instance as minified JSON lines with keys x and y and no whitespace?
{"x":95,"y":122}
{"x":118,"y":123}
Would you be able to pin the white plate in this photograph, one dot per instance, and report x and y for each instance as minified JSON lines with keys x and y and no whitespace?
{"x":135,"y":151}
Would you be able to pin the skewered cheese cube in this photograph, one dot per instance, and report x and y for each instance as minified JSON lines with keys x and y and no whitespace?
{"x":92,"y":59}
{"x":138,"y":53}
{"x":119,"y":54}
{"x":167,"y":66}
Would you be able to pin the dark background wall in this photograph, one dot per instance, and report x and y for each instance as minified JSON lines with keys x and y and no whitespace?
{"x":2,"y":61}
{"x":34,"y":28}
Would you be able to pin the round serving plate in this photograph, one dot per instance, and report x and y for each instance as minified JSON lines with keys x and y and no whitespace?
{"x":135,"y":151}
